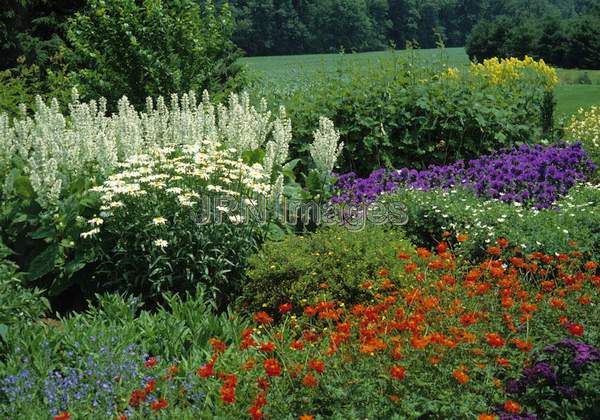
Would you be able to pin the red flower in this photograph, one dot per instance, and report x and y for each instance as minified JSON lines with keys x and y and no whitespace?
{"x":150,"y":362}
{"x":403,"y":256}
{"x":512,"y":407}
{"x":267,"y":347}
{"x":310,"y":381}
{"x":383,"y":273}
{"x":256,"y":413}
{"x":63,"y":416}
{"x":494,"y":340}
{"x":285,"y":308}
{"x":576,"y":329}
{"x":317,"y":365}
{"x":159,"y":405}
{"x":206,"y":370}
{"x":398,"y":372}
{"x":150,"y":386}
{"x":263,"y":383}
{"x":217,"y":345}
{"x":310,"y":311}
{"x":297,"y":345}
{"x":228,"y":394}
{"x":590,"y":265}
{"x":262,"y":318}
{"x":272,"y":367}
{"x":460,"y":376}
{"x":138,"y":396}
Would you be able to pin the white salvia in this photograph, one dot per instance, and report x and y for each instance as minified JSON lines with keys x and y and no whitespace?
{"x":326,"y":147}
{"x":57,"y":148}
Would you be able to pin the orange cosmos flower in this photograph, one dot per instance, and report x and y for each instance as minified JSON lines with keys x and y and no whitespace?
{"x":284,"y":308}
{"x":262,"y":318}
{"x":410,"y":268}
{"x":227,"y":394}
{"x":462,"y":237}
{"x":494,"y":250}
{"x":590,"y":265}
{"x":494,"y":340}
{"x":423,"y":253}
{"x":317,"y":365}
{"x":307,"y":417}
{"x":403,"y":256}
{"x":272,"y":367}
{"x":512,"y":407}
{"x":502,"y":243}
{"x":310,"y":381}
{"x":487,"y":417}
{"x":310,"y":311}
{"x":460,"y":376}
{"x":159,"y":405}
{"x":398,"y":372}
{"x":576,"y":329}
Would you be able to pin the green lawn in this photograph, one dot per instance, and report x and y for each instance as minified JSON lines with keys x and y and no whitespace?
{"x":291,"y":69}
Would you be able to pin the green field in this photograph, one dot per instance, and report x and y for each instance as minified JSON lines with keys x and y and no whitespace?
{"x":570,"y":94}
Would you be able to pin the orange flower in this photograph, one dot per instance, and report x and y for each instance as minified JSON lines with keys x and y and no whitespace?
{"x":262,"y":318}
{"x":256,"y":413}
{"x":410,"y":268}
{"x":307,"y":417}
{"x":159,"y":405}
{"x":590,"y":265}
{"x":217,"y":345}
{"x":584,"y":300}
{"x":297,"y":345}
{"x":398,"y":372}
{"x":272,"y":367}
{"x":494,"y":250}
{"x":461,"y":376}
{"x":206,"y":370}
{"x":284,"y":308}
{"x":487,"y":417}
{"x":423,"y":253}
{"x":317,"y":365}
{"x":227,"y":394}
{"x":267,"y":347}
{"x":502,"y":362}
{"x":512,"y":407}
{"x":576,"y":329}
{"x":63,"y":416}
{"x":310,"y":311}
{"x":494,"y":340}
{"x":403,"y":256}
{"x":310,"y":381}
{"x":502,"y":243}
{"x":323,"y":286}
{"x":462,"y":237}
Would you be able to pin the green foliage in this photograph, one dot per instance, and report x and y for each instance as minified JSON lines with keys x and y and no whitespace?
{"x":17,"y":303}
{"x":548,"y":231}
{"x":401,"y":113}
{"x":332,"y":263}
{"x":113,"y":338}
{"x":568,"y":43}
{"x":152,"y":48}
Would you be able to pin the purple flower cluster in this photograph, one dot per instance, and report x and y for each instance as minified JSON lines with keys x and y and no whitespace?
{"x":578,"y":355}
{"x":583,"y":353}
{"x":532,"y":175}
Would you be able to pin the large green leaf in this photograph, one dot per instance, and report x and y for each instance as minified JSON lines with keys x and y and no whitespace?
{"x":44,"y":262}
{"x":23,"y":187}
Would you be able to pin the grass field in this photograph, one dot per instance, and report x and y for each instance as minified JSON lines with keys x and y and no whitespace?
{"x":570,"y":94}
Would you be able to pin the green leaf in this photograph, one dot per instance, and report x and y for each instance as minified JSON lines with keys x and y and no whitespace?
{"x":23,"y":187}
{"x":44,"y":262}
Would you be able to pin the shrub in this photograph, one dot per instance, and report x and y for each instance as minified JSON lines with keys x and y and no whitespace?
{"x":534,"y":176}
{"x":585,"y":127}
{"x":396,"y":113}
{"x":153,"y":48}
{"x":175,"y":218}
{"x":332,"y":263}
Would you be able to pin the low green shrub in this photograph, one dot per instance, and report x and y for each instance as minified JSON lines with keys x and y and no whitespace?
{"x":398,"y":113}
{"x":332,"y":263}
{"x":576,"y":217}
{"x":17,"y":303}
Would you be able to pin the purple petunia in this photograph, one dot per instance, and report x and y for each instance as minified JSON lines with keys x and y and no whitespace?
{"x":532,"y":175}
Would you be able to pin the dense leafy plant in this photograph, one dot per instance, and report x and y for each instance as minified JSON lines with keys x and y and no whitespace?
{"x":153,"y":48}
{"x":332,"y":263}
{"x":397,"y":114}
{"x":91,"y":362}
{"x":574,"y":218}
{"x":534,"y":176}
{"x":176,"y":218}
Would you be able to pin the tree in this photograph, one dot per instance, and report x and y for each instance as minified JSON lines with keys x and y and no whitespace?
{"x":143,"y":48}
